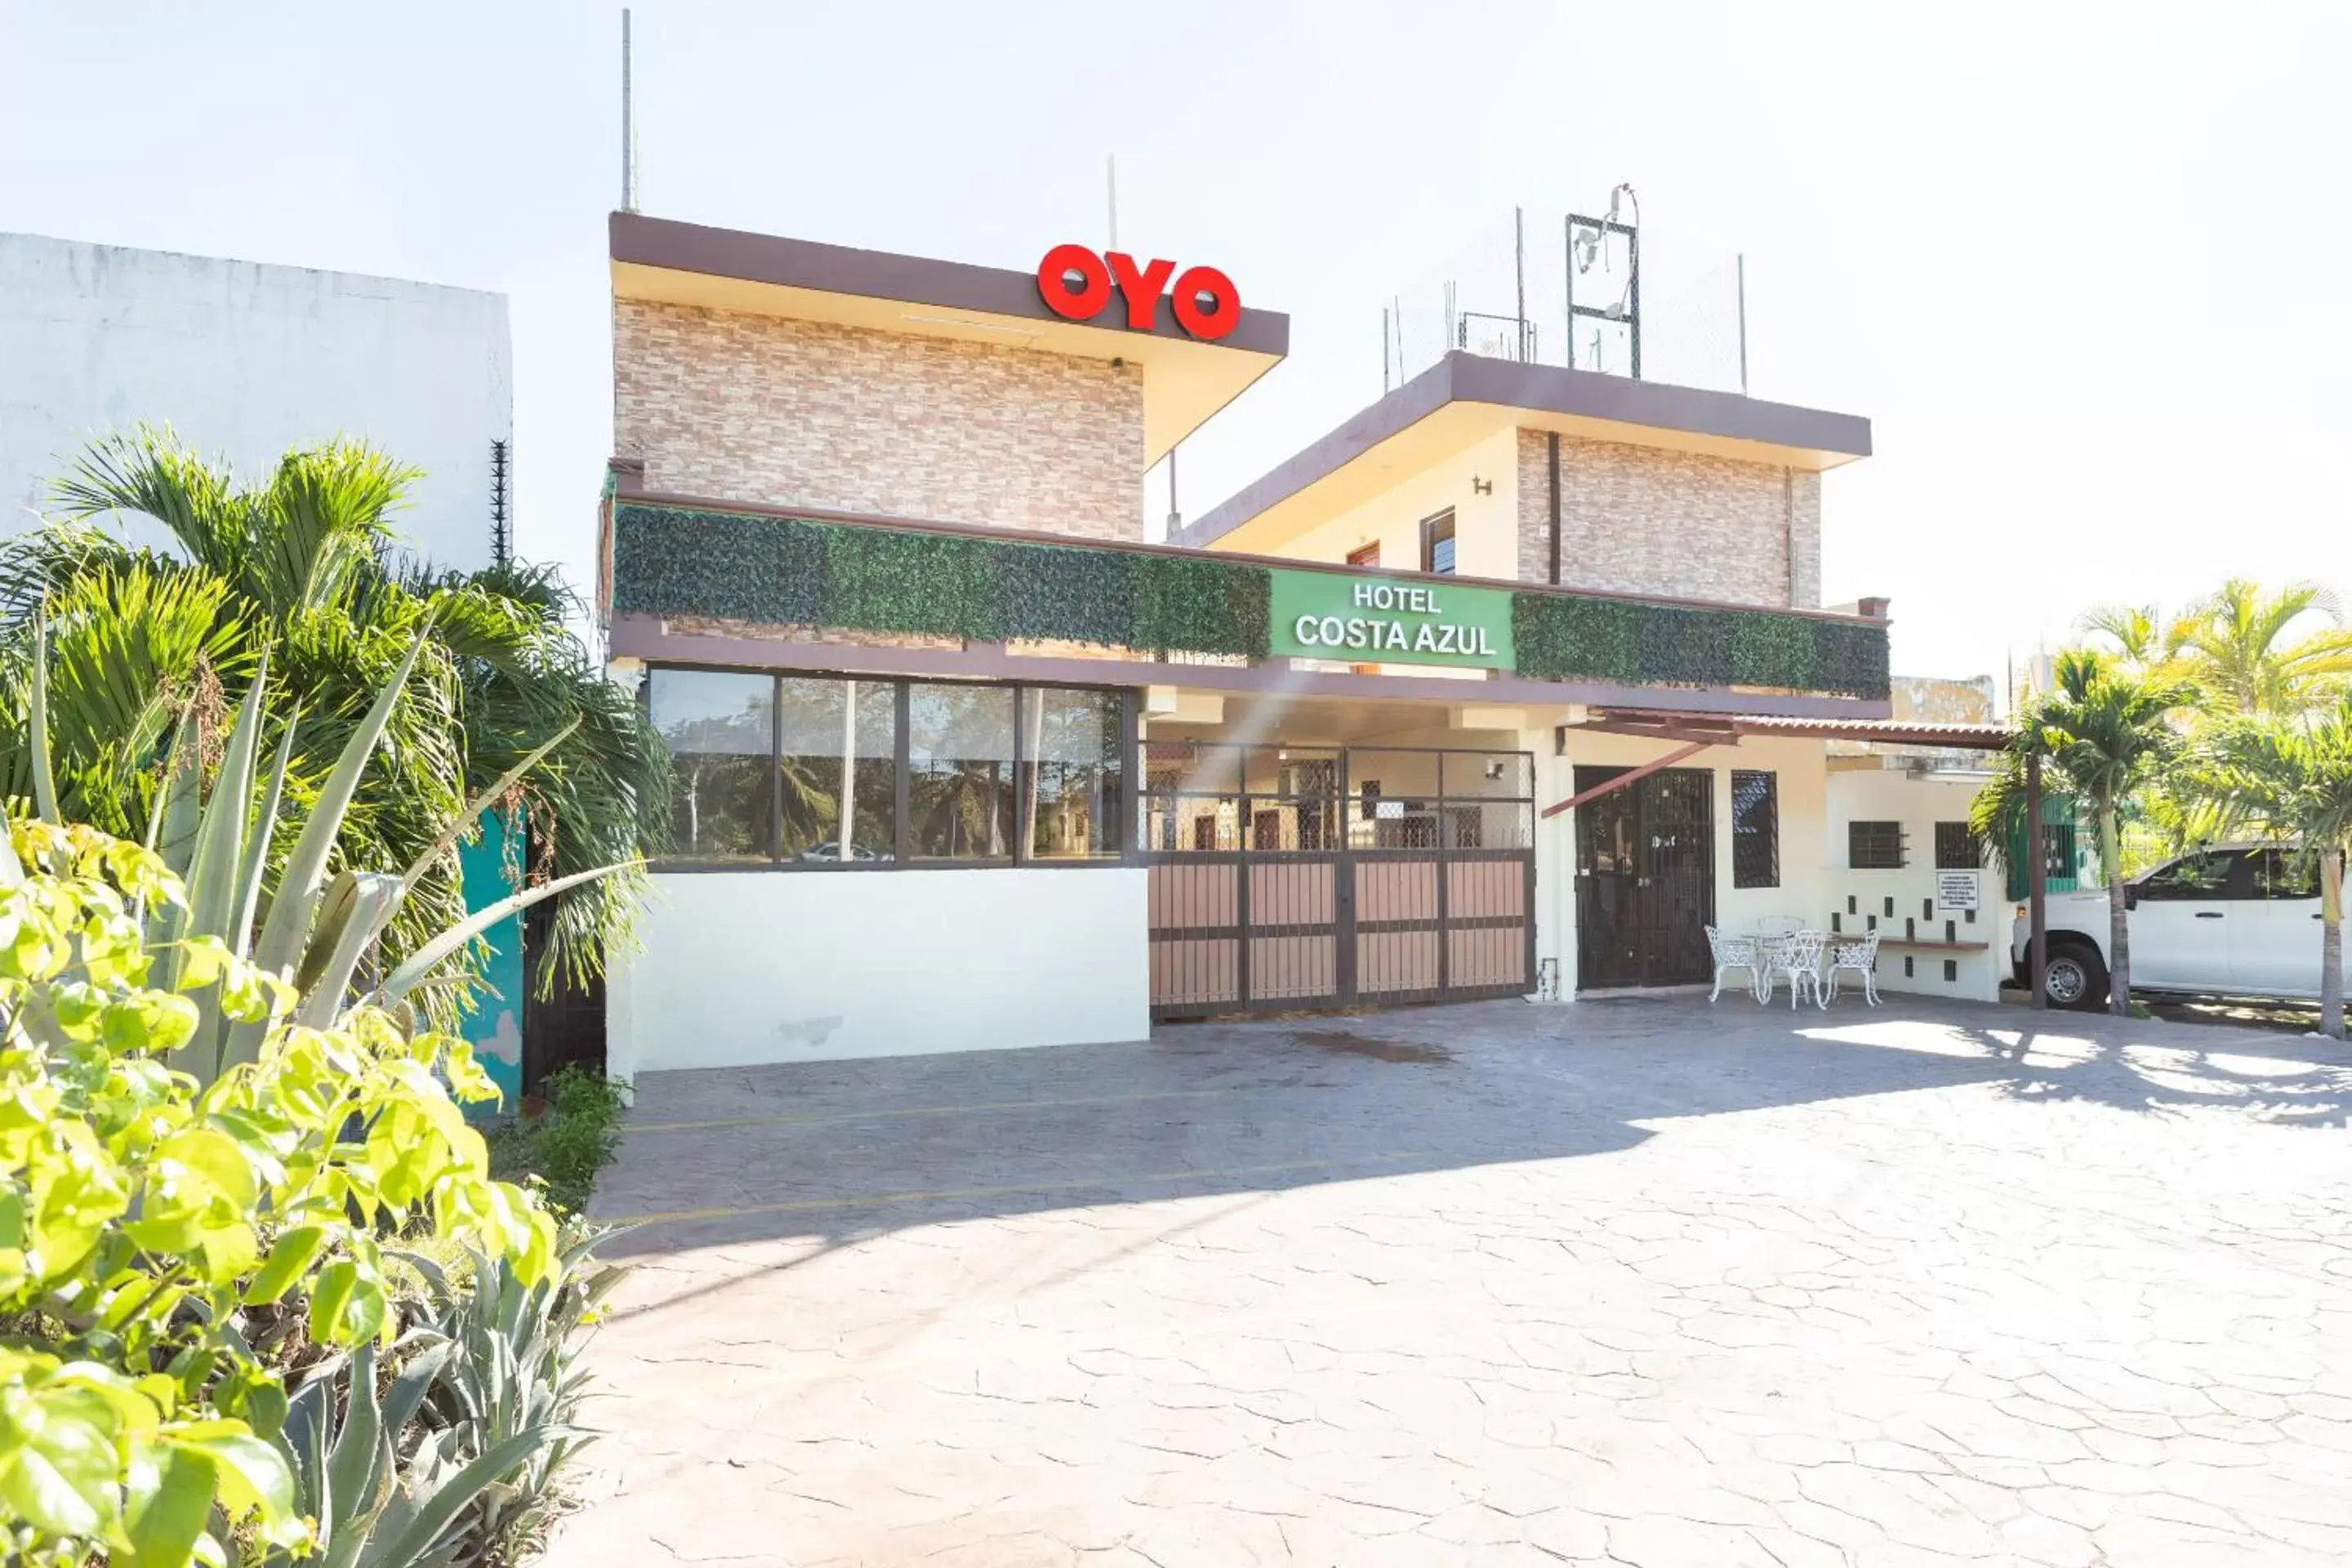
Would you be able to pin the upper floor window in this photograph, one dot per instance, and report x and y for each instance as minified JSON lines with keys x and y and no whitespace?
{"x":1437,"y":543}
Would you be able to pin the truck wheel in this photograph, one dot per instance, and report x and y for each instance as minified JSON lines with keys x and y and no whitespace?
{"x":2076,"y":979}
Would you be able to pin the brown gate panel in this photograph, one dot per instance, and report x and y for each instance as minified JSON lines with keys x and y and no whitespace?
{"x":1486,"y":926}
{"x":1294,"y":931}
{"x":1294,"y":878}
{"x":1195,"y":925}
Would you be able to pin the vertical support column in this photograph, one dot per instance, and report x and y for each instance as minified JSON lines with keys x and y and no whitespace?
{"x":1551,"y":444}
{"x":2037,"y":867}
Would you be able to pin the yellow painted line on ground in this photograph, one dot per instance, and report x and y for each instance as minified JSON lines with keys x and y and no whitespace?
{"x":875,"y":1200}
{"x":930,"y":1110}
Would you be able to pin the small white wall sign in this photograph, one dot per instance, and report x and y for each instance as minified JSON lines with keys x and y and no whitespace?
{"x":1955,"y":890}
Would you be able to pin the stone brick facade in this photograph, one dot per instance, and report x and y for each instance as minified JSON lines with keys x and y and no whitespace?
{"x":1640,"y":520}
{"x":781,"y":412}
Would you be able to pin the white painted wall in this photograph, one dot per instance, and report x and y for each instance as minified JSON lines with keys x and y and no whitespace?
{"x":1882,"y":794}
{"x":248,"y":360}
{"x":748,"y":967}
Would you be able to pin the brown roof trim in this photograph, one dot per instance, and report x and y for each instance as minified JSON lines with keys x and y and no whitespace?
{"x":648,"y":637}
{"x":1462,"y":377}
{"x":631,"y":469}
{"x":1665,"y":720}
{"x":885,"y":275}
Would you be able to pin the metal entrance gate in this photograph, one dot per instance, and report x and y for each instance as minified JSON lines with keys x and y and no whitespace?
{"x":1290,"y":877}
{"x":1644,"y":879}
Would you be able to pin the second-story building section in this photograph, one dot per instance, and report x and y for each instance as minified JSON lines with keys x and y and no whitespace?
{"x":1531,"y":473}
{"x":784,"y":373}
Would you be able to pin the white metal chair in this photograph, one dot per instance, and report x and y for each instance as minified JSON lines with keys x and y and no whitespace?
{"x":1859,"y":953}
{"x":1732,"y":953}
{"x":1797,"y":956}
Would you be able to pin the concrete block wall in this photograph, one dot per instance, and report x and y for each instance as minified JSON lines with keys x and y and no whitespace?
{"x":759,"y":409}
{"x":1644,"y":519}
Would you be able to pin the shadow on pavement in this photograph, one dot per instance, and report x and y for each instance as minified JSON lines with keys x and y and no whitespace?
{"x":826,"y":1153}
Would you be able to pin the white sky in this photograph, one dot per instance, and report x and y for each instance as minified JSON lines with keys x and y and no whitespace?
{"x":2084,"y":266}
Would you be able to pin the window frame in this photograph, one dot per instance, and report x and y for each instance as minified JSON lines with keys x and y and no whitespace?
{"x":1771,"y":832}
{"x":1852,"y":843}
{"x":1022,"y":858}
{"x":1972,"y":846}
{"x":1430,"y":534}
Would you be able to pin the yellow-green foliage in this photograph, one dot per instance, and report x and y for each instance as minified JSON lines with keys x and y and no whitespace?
{"x":164,"y":1242}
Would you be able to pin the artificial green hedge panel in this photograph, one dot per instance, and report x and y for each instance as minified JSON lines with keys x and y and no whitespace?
{"x":1623,"y":640}
{"x":672,"y":561}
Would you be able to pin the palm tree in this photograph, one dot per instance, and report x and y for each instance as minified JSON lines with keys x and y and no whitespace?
{"x":2293,"y":776}
{"x":2238,"y":645}
{"x":2141,"y":635}
{"x":303,"y":567}
{"x":2106,"y":733}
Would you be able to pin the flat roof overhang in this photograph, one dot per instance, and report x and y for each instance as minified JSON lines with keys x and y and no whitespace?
{"x":1466,"y":398}
{"x":1185,"y":379}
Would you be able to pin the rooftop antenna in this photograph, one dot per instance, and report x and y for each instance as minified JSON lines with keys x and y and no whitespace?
{"x":628,"y":126}
{"x":1588,"y":244}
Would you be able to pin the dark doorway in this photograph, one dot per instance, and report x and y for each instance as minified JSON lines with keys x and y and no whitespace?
{"x":1645,"y":879}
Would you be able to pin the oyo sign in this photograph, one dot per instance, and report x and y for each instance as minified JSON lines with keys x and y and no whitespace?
{"x":1076,"y":283}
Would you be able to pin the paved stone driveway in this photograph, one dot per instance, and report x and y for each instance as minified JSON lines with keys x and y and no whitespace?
{"x":1631,"y":1282}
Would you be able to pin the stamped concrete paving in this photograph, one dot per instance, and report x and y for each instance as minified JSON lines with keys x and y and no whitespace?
{"x":1631,"y":1282}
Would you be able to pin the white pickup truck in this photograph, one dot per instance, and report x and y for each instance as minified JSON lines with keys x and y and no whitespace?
{"x":2240,"y":921}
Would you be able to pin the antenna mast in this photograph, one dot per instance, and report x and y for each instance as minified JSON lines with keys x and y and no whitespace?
{"x":628,"y":126}
{"x":501,"y":518}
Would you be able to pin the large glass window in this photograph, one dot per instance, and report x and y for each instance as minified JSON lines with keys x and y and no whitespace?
{"x":1075,"y":775}
{"x":829,"y":772}
{"x":959,"y":772}
{"x":837,"y":756}
{"x":719,"y":728}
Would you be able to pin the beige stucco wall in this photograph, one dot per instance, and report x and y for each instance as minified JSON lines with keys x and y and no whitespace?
{"x":1485,"y":522}
{"x":1642,"y":520}
{"x":758,"y":409}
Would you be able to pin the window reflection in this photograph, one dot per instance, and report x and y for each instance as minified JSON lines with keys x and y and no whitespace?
{"x":1072,"y":741}
{"x":718,"y":729}
{"x":959,"y":772}
{"x":838,"y":772}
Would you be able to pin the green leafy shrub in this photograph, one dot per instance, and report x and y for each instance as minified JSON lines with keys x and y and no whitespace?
{"x":569,"y":1143}
{"x":168,"y":1245}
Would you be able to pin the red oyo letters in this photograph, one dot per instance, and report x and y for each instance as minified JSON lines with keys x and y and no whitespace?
{"x":1076,"y":283}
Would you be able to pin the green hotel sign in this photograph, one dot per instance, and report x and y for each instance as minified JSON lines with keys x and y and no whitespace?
{"x":1379,"y":620}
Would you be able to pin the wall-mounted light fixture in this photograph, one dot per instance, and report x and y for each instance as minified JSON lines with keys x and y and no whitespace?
{"x":1479,"y":487}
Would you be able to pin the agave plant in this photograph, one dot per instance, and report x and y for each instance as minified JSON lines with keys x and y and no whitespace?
{"x":376,"y":1503}
{"x":317,"y":932}
{"x":510,"y":1373}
